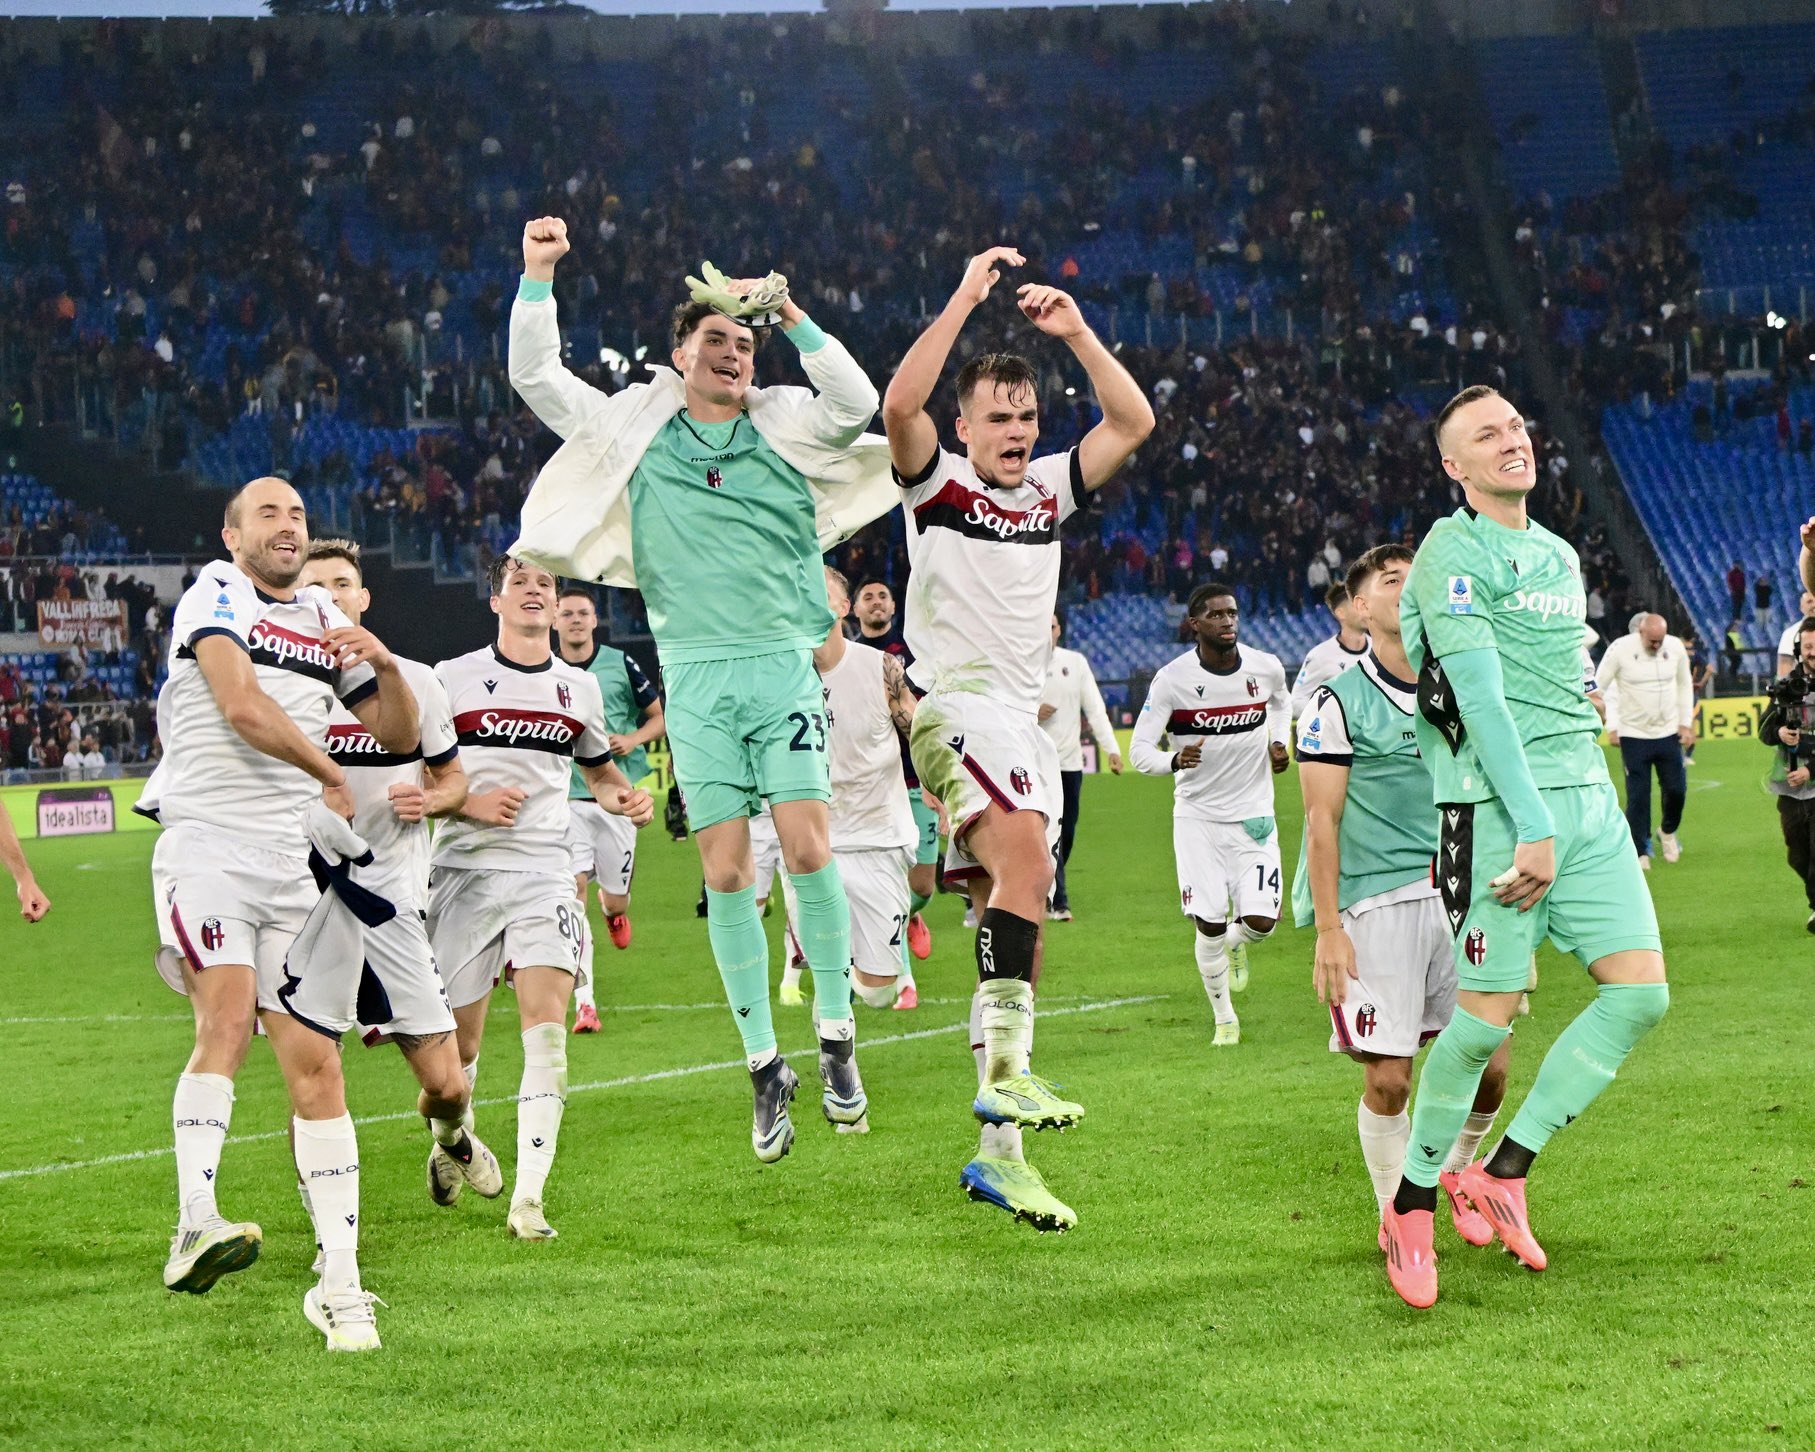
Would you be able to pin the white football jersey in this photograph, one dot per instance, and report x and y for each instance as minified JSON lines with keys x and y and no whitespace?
{"x":1233,"y":716}
{"x":869,"y":793}
{"x":984,"y":575}
{"x":1323,"y":662}
{"x":400,"y":850}
{"x":519,"y":726}
{"x":209,"y":775}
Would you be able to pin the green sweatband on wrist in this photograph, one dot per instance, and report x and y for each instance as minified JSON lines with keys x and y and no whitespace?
{"x":529,"y":290}
{"x":806,"y":336}
{"x":1480,"y":689}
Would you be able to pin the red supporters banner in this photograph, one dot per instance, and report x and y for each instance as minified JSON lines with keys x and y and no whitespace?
{"x":97,"y":624}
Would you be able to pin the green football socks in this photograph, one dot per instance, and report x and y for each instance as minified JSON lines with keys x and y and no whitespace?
{"x":1446,"y":1093}
{"x":824,"y":929}
{"x":1585,"y":1058}
{"x":735,"y":929}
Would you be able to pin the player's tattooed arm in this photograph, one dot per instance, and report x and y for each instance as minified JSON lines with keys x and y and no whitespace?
{"x":901,"y":698}
{"x":913,"y":437}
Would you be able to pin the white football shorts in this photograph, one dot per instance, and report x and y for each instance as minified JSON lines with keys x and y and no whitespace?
{"x":973,"y":752}
{"x":1406,"y":990}
{"x":765,"y":848}
{"x":604,"y":845}
{"x":876,"y":886}
{"x":486,"y":924}
{"x":1224,"y":872}
{"x":223,"y":900}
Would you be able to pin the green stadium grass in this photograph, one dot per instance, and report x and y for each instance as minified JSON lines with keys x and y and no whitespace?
{"x":1222,"y":1289}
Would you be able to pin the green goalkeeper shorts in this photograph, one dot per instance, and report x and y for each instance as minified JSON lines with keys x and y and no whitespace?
{"x":926,"y":823}
{"x":745,"y":729}
{"x":1599,"y":903}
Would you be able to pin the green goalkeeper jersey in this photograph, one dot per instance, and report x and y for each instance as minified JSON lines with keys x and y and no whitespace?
{"x":726,"y":545}
{"x":1478,"y":585}
{"x":1363,"y":720}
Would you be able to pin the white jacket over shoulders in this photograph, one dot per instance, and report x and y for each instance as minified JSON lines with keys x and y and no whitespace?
{"x":576,"y":520}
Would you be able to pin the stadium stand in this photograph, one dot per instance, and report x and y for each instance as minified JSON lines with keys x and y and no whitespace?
{"x":345,"y":328}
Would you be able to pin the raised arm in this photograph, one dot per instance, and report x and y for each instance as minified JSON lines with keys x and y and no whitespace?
{"x":913,"y":437}
{"x":555,"y":395}
{"x":1127,"y":416}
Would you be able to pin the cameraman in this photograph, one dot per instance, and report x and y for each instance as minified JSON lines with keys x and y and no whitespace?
{"x":1785,"y":728}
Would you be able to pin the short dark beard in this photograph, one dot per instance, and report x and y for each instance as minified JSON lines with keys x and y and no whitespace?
{"x":1208,"y":652}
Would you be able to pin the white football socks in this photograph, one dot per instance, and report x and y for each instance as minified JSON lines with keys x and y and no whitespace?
{"x":472,"y":1079}
{"x":1213,"y":967}
{"x":1383,"y":1141}
{"x":201,"y":1110}
{"x":582,"y":993}
{"x":1003,"y":1009}
{"x":790,"y":974}
{"x":540,"y":1101}
{"x":327,"y":1163}
{"x":1000,"y":1141}
{"x":1474,"y":1130}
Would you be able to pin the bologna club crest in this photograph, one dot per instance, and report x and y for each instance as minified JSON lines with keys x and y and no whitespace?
{"x":714,"y":479}
{"x":1474,"y":947}
{"x":1185,"y":897}
{"x":213,"y":935}
{"x":563,"y":695}
{"x":1253,"y":689}
{"x":1365,"y":1020}
{"x":1020,"y":781}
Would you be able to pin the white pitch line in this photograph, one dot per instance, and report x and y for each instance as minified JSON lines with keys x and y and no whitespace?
{"x":603,"y":1008}
{"x":681,"y":1072}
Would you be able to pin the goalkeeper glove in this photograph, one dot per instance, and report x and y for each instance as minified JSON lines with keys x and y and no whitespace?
{"x":760,"y":308}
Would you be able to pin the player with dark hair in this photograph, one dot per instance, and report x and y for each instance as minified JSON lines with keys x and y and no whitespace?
{"x":395,"y":795}
{"x":874,"y":611}
{"x":604,"y":844}
{"x":716,"y":498}
{"x":1330,"y":658}
{"x":1383,"y":961}
{"x":1225,"y":714}
{"x":1531,"y":839}
{"x":983,"y":539}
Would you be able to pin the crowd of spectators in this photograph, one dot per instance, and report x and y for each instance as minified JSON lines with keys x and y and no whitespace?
{"x":76,"y":727}
{"x":180,"y":211}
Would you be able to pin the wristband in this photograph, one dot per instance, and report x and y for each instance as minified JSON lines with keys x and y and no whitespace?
{"x":529,"y":290}
{"x":805,"y":335}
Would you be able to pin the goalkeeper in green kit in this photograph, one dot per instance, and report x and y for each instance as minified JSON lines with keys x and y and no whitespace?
{"x":1531,"y":841}
{"x":715,"y":498}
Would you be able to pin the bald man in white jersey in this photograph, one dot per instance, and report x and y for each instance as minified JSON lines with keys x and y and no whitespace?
{"x":256,"y":663}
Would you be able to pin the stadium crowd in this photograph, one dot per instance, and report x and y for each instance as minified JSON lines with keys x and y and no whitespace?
{"x":194,"y":267}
